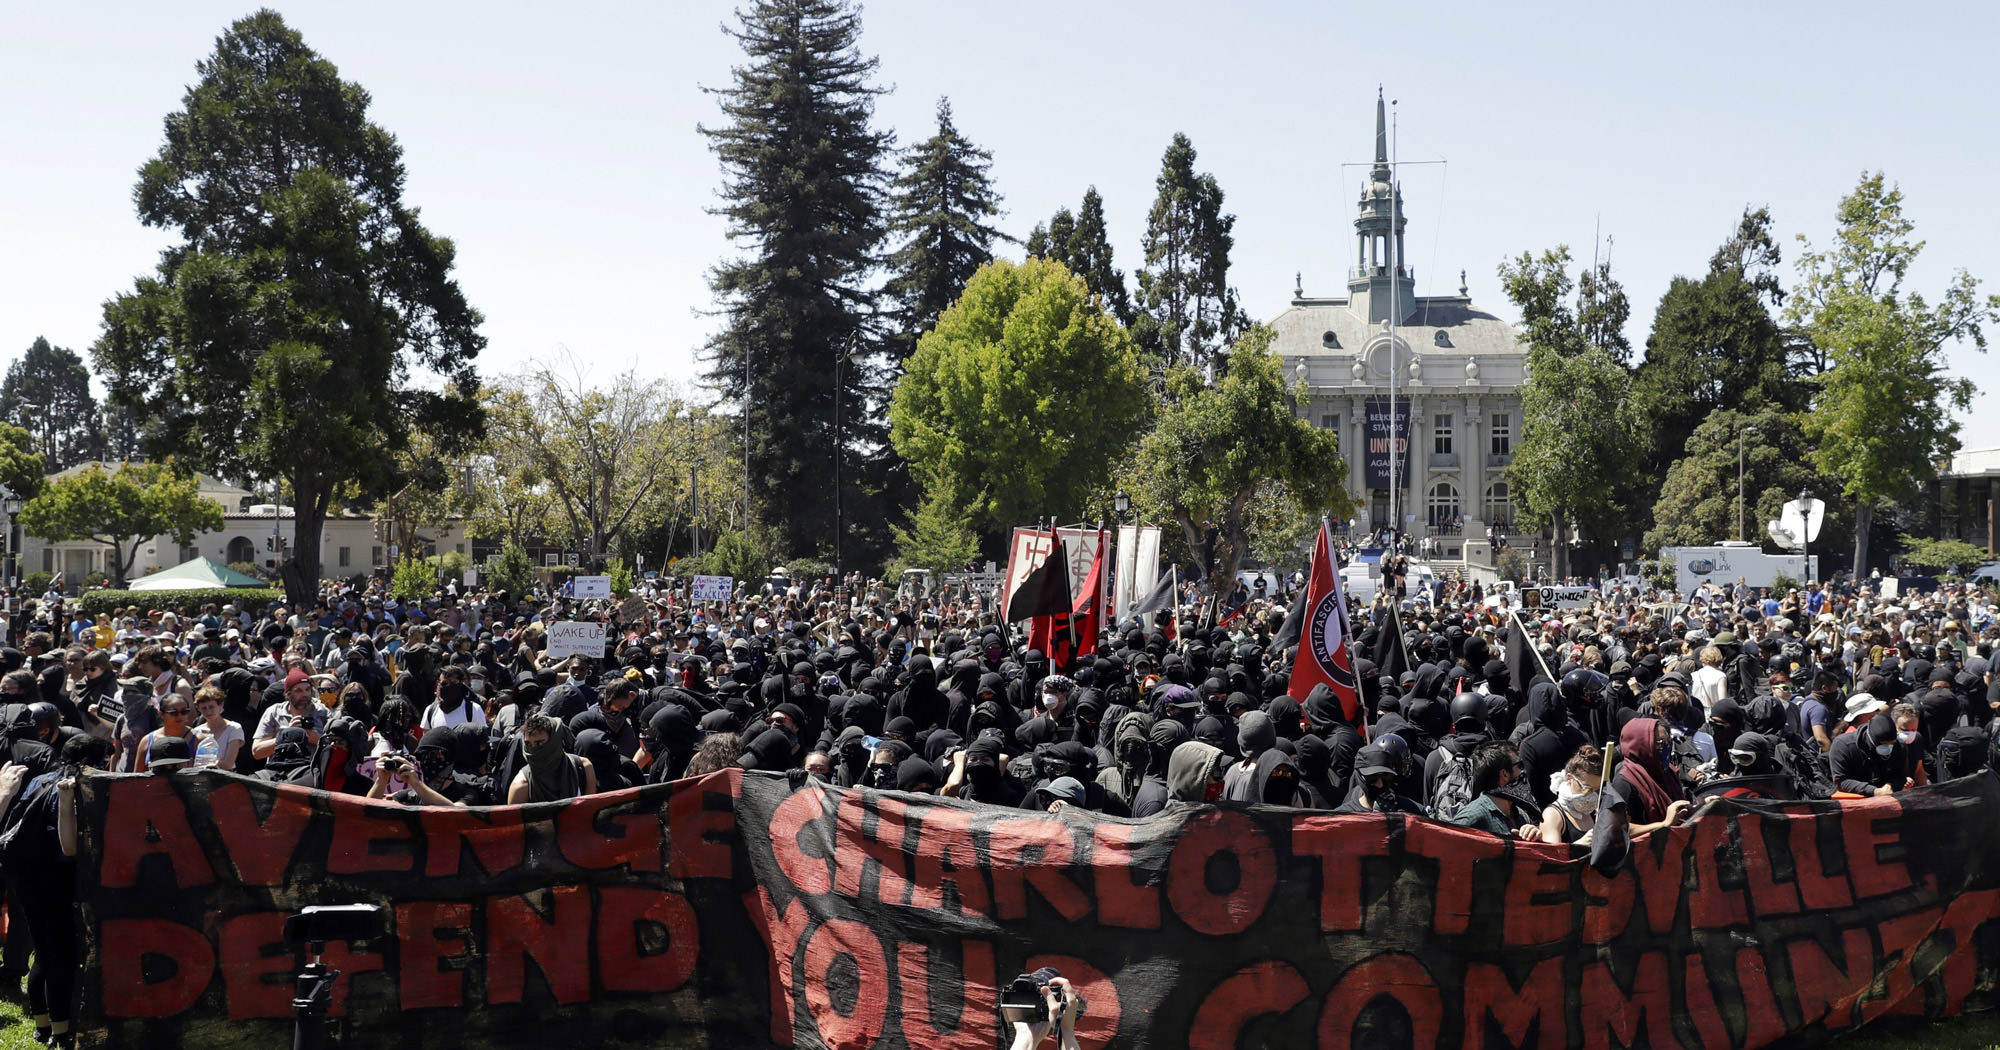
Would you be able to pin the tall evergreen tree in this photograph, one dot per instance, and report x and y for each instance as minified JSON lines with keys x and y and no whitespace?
{"x":940,"y":210}
{"x":1079,"y":242}
{"x":1188,"y":311}
{"x":47,"y":393}
{"x":1602,"y":310}
{"x":803,"y":187}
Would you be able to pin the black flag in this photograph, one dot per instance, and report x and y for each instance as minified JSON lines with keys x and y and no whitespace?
{"x":1521,"y":664}
{"x":1294,"y":625}
{"x":1160,"y":597}
{"x":1045,"y":592}
{"x":1390,"y":657}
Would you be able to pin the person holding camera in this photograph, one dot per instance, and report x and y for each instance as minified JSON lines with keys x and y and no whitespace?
{"x":1039,"y":1005}
{"x":408,"y":773}
{"x":297,"y":711}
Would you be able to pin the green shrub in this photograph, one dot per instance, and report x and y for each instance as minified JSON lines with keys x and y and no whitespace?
{"x":621,"y":577}
{"x":37,"y":582}
{"x":185,"y":603}
{"x":413,"y":581}
{"x":249,"y":568}
{"x":515,"y":572}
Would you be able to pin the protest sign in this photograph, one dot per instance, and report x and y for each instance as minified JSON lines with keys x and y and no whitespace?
{"x":575,"y":638}
{"x":591,"y":587}
{"x":736,"y":911}
{"x":712,"y":588}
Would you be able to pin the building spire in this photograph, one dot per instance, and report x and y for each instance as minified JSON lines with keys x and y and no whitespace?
{"x":1381,"y":172}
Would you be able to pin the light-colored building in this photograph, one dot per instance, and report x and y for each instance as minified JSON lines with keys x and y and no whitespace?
{"x":1457,"y":369}
{"x":349,"y":545}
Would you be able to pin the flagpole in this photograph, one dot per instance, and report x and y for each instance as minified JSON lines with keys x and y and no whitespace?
{"x":1402,"y":640}
{"x":1530,"y":646}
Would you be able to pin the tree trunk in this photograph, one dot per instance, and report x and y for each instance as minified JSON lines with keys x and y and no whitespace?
{"x":308,"y":525}
{"x":1864,"y":519}
{"x":1558,"y":548}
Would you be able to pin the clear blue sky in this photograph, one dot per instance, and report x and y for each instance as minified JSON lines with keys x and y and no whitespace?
{"x":556,"y":144}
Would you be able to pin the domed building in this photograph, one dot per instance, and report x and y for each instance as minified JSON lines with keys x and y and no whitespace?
{"x":1457,"y":374}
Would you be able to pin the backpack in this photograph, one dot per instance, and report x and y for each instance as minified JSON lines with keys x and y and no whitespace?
{"x":1454,"y":785}
{"x":29,"y":838}
{"x":1962,"y":752}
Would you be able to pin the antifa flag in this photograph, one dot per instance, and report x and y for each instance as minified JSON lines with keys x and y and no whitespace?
{"x":1071,"y":632}
{"x":1324,"y":655}
{"x":1390,"y":656}
{"x":1043,"y":592}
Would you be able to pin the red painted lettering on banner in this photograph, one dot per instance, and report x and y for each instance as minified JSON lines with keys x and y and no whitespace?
{"x":1898,"y":938}
{"x":1395,"y":975}
{"x":496,"y":837}
{"x":1033,"y":852}
{"x":1712,"y":905}
{"x":848,"y":1008}
{"x":1763,"y":1023}
{"x":159,"y":968}
{"x":1607,"y":904}
{"x":781,"y":930}
{"x":431,"y":936}
{"x":1962,"y":917}
{"x":1256,"y":990}
{"x":947,"y":855}
{"x":592,"y":836}
{"x":1698,"y":1002}
{"x":860,"y":851}
{"x":1099,"y":1023}
{"x":1768,"y":896}
{"x":1821,"y":892}
{"x":1340,"y":844}
{"x":260,"y":848}
{"x":555,"y":935}
{"x":341,"y":956}
{"x":1659,"y":863}
{"x":647,"y":940}
{"x":256,"y":966}
{"x":1206,"y":838}
{"x":1121,"y":901}
{"x":1456,"y":850}
{"x":1872,"y":832}
{"x":809,"y":873}
{"x":1540,"y":893}
{"x":1490,"y":998}
{"x":370,"y":835}
{"x":144,"y":818}
{"x":968,"y":1015}
{"x":1612,"y":1016}
{"x":1828,"y":990}
{"x":704,"y":839}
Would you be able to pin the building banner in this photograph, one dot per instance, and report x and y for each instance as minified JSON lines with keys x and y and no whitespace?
{"x":1385,"y":439}
{"x":735,"y":911}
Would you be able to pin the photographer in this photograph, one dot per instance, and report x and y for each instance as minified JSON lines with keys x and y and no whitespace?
{"x":407,"y":772}
{"x":1057,"y":1013}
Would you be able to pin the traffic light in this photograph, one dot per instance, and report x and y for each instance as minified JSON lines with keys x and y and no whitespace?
{"x":270,"y":543}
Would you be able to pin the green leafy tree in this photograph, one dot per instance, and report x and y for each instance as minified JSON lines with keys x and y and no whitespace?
{"x":1698,"y":499}
{"x":514,"y":573}
{"x":941,"y":210}
{"x":1714,"y":347}
{"x":939,"y":537}
{"x":305,"y":324}
{"x":413,"y":580}
{"x":734,"y":555}
{"x":122,"y":509}
{"x":47,"y":393}
{"x":21,"y":467}
{"x":1216,"y":448}
{"x":1080,"y":243}
{"x":1881,"y":412}
{"x":1188,"y":311}
{"x":804,"y":189}
{"x":1943,"y":555}
{"x":1016,"y":404}
{"x":1602,"y":309}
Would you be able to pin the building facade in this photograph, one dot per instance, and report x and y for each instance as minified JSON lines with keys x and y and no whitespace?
{"x":349,"y":543}
{"x":1965,"y":497}
{"x":1456,"y":371}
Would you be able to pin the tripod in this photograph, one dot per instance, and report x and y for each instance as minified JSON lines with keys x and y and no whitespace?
{"x":312,"y":995}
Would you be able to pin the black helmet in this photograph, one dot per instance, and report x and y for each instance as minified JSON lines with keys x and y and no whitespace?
{"x":1924,"y":651}
{"x":1468,"y":713}
{"x":1583,"y":685}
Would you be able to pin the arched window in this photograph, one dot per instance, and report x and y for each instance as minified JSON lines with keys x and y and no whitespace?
{"x":1444,"y":504}
{"x":1499,"y":508}
{"x":242,"y":550}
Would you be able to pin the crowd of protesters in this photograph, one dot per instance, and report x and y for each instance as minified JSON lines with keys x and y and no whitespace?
{"x":1829,"y":692}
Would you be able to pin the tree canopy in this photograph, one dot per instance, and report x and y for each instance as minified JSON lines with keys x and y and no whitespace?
{"x":804,"y":190}
{"x":1697,"y":503}
{"x":942,"y":207}
{"x":1080,"y":243}
{"x":305,"y":323}
{"x":47,"y":393}
{"x":1228,"y":458}
{"x":122,"y":509}
{"x":1021,"y":397}
{"x":1881,"y":412}
{"x":1187,"y":311}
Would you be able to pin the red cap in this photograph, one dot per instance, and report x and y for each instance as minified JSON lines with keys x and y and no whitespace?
{"x":297,"y":677}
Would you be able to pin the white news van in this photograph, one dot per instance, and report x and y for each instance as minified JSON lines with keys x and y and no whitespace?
{"x":1728,"y":563}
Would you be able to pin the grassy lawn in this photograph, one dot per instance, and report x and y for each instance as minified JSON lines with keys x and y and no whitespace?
{"x":18,"y":1032}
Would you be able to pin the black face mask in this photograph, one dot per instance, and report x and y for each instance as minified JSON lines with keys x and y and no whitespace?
{"x":1380,"y":792}
{"x":881,"y":777}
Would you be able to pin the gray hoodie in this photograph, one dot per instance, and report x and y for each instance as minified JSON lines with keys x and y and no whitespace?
{"x":1189,"y":769}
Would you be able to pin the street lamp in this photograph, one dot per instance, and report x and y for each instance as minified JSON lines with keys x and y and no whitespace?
{"x":1122,"y":501}
{"x":10,"y":502}
{"x":1739,"y":479}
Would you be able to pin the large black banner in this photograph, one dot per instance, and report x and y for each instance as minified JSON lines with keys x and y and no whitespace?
{"x":733,"y":911}
{"x":1386,"y":436}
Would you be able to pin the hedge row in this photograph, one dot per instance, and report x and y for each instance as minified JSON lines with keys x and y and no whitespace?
{"x":184,"y":603}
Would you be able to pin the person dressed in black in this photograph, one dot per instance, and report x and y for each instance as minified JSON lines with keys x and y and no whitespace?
{"x":1375,"y":780}
{"x":1871,"y":760}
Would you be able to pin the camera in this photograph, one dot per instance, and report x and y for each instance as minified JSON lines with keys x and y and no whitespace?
{"x":1025,"y":999}
{"x":333,"y":922}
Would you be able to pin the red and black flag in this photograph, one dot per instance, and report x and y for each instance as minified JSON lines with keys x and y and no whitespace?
{"x":1043,"y":592}
{"x":1324,"y":653}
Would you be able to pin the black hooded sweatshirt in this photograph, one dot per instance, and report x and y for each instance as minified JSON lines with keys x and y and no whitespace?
{"x":1549,"y":742}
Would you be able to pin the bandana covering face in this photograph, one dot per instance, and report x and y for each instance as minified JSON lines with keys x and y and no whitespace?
{"x":1580,"y":806}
